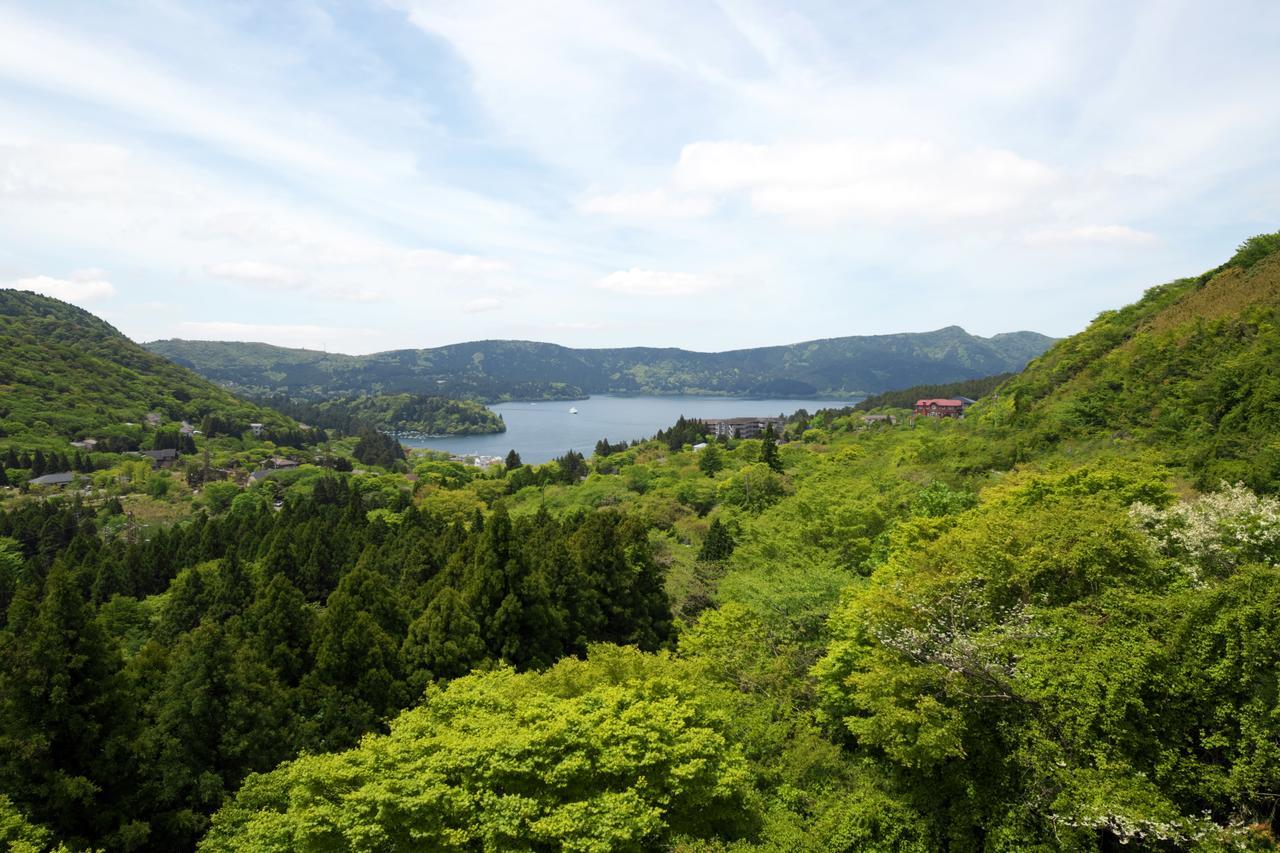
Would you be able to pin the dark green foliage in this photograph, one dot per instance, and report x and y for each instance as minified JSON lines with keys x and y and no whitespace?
{"x":512,"y":461}
{"x":718,"y":544}
{"x":906,"y":398}
{"x":769,"y":450}
{"x":573,"y":466}
{"x":496,"y":370}
{"x":397,"y":413}
{"x":682,"y":432}
{"x":376,"y":448}
{"x":605,"y":448}
{"x":711,"y":460}
{"x":276,"y":632}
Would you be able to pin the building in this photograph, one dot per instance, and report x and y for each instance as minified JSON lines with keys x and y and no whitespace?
{"x":162,"y":458}
{"x":257,"y":430}
{"x":283,"y":462}
{"x":942,"y":407}
{"x":744,"y":427}
{"x":64,"y":478}
{"x":87,"y":444}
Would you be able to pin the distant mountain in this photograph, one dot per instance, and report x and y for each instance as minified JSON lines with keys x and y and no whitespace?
{"x":496,"y":370}
{"x":65,"y":373}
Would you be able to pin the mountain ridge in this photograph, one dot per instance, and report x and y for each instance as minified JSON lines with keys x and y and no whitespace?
{"x":495,"y":369}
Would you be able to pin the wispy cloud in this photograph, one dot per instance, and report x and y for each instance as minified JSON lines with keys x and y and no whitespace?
{"x":1097,"y":235}
{"x":85,"y":287}
{"x":288,"y":161}
{"x":641,"y":282}
{"x":478,"y":306}
{"x":260,"y":273}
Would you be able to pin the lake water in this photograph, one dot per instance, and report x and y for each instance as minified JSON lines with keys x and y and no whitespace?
{"x":545,"y":430}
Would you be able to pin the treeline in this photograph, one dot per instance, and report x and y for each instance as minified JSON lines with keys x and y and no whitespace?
{"x":141,"y":681}
{"x":906,"y":398}
{"x":410,"y":413}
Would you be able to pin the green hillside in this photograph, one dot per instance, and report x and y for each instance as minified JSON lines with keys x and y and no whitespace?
{"x":395,"y":413}
{"x":1046,"y":626}
{"x":1190,"y":369}
{"x":495,"y":370}
{"x":66,"y":374}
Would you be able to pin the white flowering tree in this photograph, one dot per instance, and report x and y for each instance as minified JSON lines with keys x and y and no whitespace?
{"x":1216,"y":533}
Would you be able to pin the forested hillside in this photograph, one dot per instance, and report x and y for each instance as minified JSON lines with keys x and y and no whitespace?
{"x":1053,"y":624}
{"x":496,"y":370}
{"x":396,"y":413}
{"x":65,"y":373}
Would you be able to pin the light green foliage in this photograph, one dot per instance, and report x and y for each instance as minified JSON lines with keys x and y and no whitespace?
{"x":753,"y":487}
{"x":67,"y":374}
{"x":616,"y":753}
{"x":1035,"y":651}
{"x":19,"y":835}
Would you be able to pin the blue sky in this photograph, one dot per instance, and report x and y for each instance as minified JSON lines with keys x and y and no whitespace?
{"x":364,"y":176}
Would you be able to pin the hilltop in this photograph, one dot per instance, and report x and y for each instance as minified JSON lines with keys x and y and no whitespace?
{"x":65,"y":373}
{"x":496,"y":370}
{"x":1190,"y":369}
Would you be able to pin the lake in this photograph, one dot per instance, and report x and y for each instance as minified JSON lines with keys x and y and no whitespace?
{"x":545,"y":430}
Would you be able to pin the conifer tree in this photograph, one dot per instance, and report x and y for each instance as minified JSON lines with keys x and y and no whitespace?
{"x":769,"y":450}
{"x":718,"y":544}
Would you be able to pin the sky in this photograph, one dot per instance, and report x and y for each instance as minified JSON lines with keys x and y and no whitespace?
{"x":365,"y":176}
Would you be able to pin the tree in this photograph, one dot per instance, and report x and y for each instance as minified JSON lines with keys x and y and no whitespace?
{"x":769,"y":450}
{"x":65,"y":712}
{"x":444,"y":642}
{"x":616,"y":753}
{"x":718,"y":544}
{"x":513,"y":460}
{"x":710,"y":460}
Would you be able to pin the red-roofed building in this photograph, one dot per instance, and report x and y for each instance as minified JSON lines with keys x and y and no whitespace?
{"x":941,"y":408}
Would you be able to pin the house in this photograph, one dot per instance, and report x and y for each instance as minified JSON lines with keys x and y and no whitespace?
{"x":259,"y":475}
{"x":744,"y":427}
{"x":187,"y":429}
{"x":64,"y":478}
{"x":282,"y":462}
{"x":162,"y":458}
{"x":153,"y":419}
{"x":878,"y":420}
{"x":257,"y":430}
{"x":86,"y":444}
{"x":942,"y":407}
{"x":702,"y":445}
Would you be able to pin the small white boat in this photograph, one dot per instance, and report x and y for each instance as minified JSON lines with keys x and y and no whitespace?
{"x":573,"y":410}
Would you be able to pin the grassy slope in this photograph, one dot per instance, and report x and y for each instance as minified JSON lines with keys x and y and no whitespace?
{"x":1190,"y":369}
{"x":66,"y":373}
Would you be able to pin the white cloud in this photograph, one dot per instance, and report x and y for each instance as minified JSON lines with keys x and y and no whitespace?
{"x":304,"y":336}
{"x":1092,"y":235}
{"x":484,"y":303}
{"x":83,"y":286}
{"x":641,"y":282}
{"x":259,"y":272}
{"x":911,"y":179}
{"x":434,"y":259}
{"x":653,"y":204}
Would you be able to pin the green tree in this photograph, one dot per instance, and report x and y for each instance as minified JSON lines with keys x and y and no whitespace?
{"x":769,"y":450}
{"x":618,"y":753}
{"x":710,"y":460}
{"x":718,"y":544}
